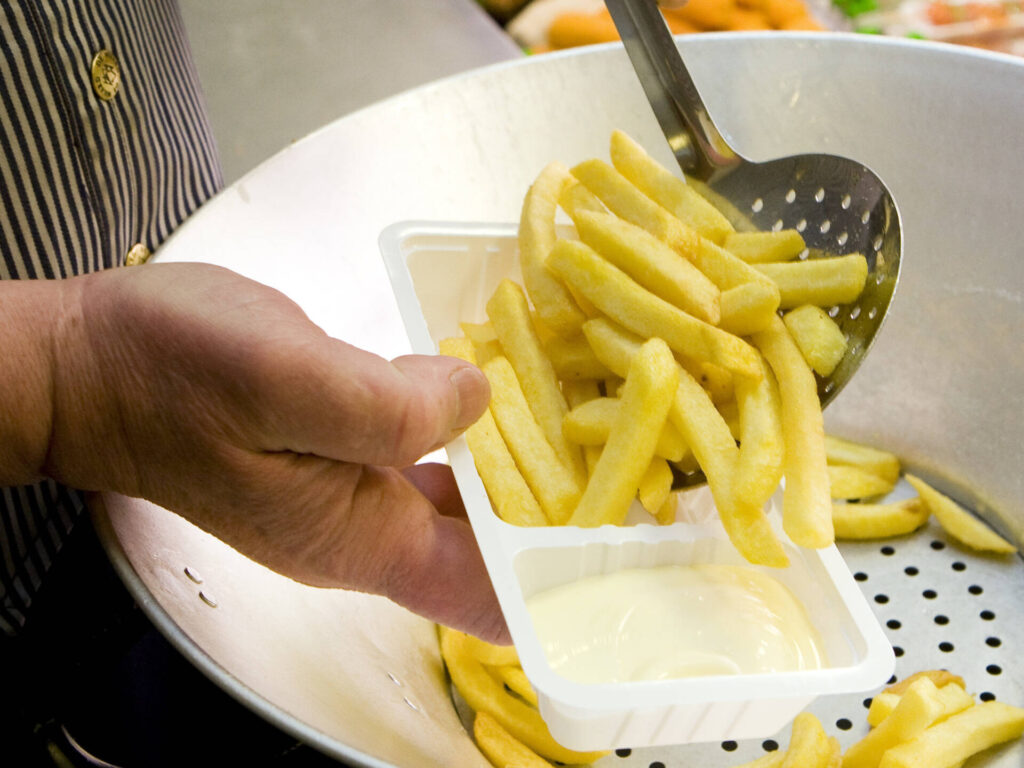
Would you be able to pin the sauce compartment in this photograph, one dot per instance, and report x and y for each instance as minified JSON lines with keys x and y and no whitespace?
{"x":443,"y":274}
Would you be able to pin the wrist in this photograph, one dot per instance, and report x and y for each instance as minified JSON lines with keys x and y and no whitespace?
{"x":29,"y":316}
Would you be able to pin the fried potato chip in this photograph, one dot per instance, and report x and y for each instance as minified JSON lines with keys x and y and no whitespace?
{"x":958,"y":522}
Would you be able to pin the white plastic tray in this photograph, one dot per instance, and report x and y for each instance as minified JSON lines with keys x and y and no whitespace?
{"x":443,"y":274}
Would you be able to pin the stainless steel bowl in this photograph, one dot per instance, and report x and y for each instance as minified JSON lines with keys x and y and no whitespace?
{"x":361,"y":679}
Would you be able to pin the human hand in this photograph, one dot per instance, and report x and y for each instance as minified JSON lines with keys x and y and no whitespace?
{"x":216,"y":397}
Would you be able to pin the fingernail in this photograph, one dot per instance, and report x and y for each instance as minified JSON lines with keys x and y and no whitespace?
{"x":472,"y":394}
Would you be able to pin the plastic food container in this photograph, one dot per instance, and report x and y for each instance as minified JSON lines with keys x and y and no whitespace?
{"x":443,"y":274}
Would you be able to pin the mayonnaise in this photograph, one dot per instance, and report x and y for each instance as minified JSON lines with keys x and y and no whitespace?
{"x":674,"y":621}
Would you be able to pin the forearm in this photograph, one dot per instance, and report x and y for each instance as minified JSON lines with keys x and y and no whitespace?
{"x":30,"y":312}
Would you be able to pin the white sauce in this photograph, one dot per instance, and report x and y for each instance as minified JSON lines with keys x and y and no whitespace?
{"x":674,"y":621}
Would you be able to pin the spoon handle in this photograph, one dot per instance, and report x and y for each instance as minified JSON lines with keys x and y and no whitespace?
{"x":697,"y":144}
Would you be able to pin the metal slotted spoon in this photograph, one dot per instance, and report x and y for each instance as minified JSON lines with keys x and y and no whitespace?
{"x":839,"y":205}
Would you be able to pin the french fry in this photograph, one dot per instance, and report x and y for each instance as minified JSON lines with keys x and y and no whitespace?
{"x":485,"y":694}
{"x":511,"y":497}
{"x":635,"y":308}
{"x":501,"y":748}
{"x":953,"y":697}
{"x":835,"y":758}
{"x":650,"y":383}
{"x":762,"y":247}
{"x":573,"y":359}
{"x":962,"y":735}
{"x":958,"y":522}
{"x":551,"y":482}
{"x":848,"y":482}
{"x":806,"y":500}
{"x":846,"y":452}
{"x":577,"y":392}
{"x":822,"y":282}
{"x":667,"y":189}
{"x":727,"y":270}
{"x":666,"y":514}
{"x":818,"y":337}
{"x":478,"y":333}
{"x":576,"y":198}
{"x":882,"y":705}
{"x":748,"y":308}
{"x":652,"y":263}
{"x":554,"y":303}
{"x":488,"y":654}
{"x":760,"y":461}
{"x":698,"y":420}
{"x":510,"y":318}
{"x":627,"y":202}
{"x":878,"y":521}
{"x":517,"y":682}
{"x":590,"y":423}
{"x":655,"y":485}
{"x":809,"y":745}
{"x":770,"y":760}
{"x":918,"y":708}
{"x":939,"y":677}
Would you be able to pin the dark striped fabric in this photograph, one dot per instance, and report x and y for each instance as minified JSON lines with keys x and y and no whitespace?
{"x":82,"y":180}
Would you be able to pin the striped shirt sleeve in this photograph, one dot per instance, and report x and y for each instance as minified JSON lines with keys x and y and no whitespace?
{"x":83,"y":180}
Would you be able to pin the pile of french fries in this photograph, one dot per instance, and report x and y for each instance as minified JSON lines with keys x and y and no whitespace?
{"x":659,"y":337}
{"x":927,"y":720}
{"x":864,"y":473}
{"x":506,"y":726}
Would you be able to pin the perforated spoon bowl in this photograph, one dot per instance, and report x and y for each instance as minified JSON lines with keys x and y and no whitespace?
{"x":838,"y":205}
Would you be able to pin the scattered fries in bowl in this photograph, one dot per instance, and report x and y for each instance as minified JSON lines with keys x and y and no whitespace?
{"x":927,"y":720}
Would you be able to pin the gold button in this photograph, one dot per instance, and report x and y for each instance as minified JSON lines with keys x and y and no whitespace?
{"x":139,"y":254}
{"x":106,"y":75}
